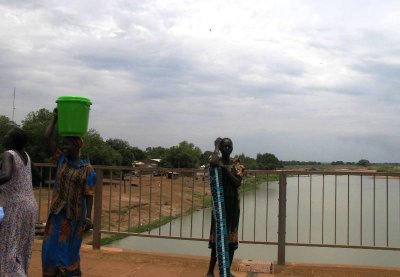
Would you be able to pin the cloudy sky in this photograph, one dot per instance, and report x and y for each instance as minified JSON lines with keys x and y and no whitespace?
{"x":305,"y":80}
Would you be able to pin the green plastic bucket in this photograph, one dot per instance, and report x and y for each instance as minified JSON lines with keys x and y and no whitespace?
{"x":73,"y":115}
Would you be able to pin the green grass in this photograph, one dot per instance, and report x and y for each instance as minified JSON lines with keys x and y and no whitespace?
{"x":207,"y":202}
{"x":387,"y":169}
{"x":109,"y":240}
{"x":251,"y":181}
{"x":137,"y":229}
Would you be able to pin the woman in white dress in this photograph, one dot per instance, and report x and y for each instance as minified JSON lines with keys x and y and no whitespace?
{"x":17,"y":229}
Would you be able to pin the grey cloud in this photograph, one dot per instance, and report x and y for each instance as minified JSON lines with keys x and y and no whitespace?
{"x":168,"y":75}
{"x":382,"y":147}
{"x":154,"y":84}
{"x":22,"y":4}
{"x":324,"y":147}
{"x":379,"y":69}
{"x":160,"y":78}
{"x":355,"y":89}
{"x":383,"y":80}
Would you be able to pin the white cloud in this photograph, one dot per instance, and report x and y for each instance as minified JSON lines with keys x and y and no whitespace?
{"x":295,"y":78}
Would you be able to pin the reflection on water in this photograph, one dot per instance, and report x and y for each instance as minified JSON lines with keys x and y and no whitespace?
{"x":320,"y":210}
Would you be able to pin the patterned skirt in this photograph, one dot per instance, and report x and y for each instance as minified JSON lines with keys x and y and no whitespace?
{"x":61,"y":246}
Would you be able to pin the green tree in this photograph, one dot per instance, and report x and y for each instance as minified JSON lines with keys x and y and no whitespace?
{"x":124,"y":149}
{"x":35,"y":124}
{"x":98,"y":151}
{"x":127,"y":152}
{"x":268,"y":161}
{"x":248,"y":162}
{"x":5,"y":125}
{"x":184,"y":155}
{"x":337,"y":163}
{"x":158,"y":152}
{"x":138,"y":153}
{"x":363,"y":162}
{"x":205,"y":157}
{"x":293,"y":162}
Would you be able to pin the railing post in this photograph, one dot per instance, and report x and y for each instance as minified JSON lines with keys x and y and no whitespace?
{"x":97,"y":209}
{"x":282,"y":219}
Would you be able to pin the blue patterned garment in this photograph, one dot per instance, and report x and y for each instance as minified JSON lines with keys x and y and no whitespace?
{"x":65,"y":225}
{"x":219,"y":215}
{"x":232,"y":207}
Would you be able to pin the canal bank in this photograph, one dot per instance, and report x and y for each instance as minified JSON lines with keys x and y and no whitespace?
{"x":117,"y":262}
{"x":318,"y":212}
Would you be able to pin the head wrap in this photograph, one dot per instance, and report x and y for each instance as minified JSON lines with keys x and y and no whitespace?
{"x":77,"y":141}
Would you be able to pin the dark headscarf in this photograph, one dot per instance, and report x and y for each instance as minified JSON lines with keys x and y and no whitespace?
{"x":77,"y":141}
{"x":16,"y":139}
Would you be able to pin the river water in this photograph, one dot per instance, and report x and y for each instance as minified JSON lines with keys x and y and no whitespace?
{"x":320,"y":210}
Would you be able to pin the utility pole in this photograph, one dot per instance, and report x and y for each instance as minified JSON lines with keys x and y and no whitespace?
{"x":13,"y":106}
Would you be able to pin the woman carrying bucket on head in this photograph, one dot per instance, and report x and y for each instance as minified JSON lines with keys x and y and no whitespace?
{"x":72,"y":198}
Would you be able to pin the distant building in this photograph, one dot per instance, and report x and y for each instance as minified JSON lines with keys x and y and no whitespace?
{"x":147,"y":163}
{"x":172,"y":175}
{"x":142,"y":166}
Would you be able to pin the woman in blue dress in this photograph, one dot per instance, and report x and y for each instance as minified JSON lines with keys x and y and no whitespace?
{"x":71,"y":206}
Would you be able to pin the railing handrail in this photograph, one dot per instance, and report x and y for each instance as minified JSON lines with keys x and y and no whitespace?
{"x":276,"y":171}
{"x":283,"y":175}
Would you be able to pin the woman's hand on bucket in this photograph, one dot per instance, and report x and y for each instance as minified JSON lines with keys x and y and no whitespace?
{"x":55,"y":114}
{"x":48,"y":134}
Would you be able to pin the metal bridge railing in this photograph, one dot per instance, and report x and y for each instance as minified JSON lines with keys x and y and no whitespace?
{"x":359,"y":210}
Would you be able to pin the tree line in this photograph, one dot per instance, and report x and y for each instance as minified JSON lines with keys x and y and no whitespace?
{"x":118,"y":152}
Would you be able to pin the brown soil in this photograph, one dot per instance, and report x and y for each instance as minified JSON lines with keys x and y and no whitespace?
{"x":117,"y":262}
{"x":138,"y":201}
